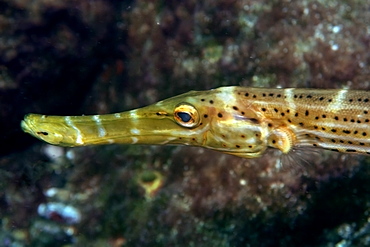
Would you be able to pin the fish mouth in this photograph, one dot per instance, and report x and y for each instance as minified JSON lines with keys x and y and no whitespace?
{"x":132,"y":127}
{"x":26,"y":126}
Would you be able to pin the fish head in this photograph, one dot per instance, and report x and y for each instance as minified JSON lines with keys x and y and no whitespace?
{"x":216,"y":119}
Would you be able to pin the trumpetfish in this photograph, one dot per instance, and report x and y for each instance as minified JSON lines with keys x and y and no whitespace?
{"x":236,"y":120}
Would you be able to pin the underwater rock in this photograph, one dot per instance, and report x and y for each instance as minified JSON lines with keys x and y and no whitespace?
{"x":60,"y":212}
{"x":99,"y":57}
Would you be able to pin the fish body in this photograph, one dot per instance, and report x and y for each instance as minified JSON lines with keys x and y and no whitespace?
{"x":237,"y":120}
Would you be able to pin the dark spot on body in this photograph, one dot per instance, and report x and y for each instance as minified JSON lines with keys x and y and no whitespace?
{"x":355,"y":132}
{"x":324,"y":116}
{"x":352,"y":120}
{"x":235,"y":108}
{"x":202,"y":100}
{"x":347,"y":131}
{"x":336,"y":118}
{"x":276,"y":110}
{"x":263,"y":109}
{"x":334,"y":149}
{"x":309,"y":96}
{"x":42,"y":133}
{"x":273,"y":141}
{"x":246,"y":94}
{"x":306,"y":113}
{"x":254,"y":96}
{"x":271,"y":94}
{"x":253,"y":120}
{"x":332,"y":140}
{"x":242,"y":136}
{"x":359,"y":100}
{"x":345,"y":119}
{"x":333,"y":130}
{"x":264,"y":95}
{"x":301,"y":124}
{"x":211,"y":102}
{"x":242,"y":113}
{"x":162,"y":113}
{"x":205,"y":115}
{"x":219,"y":115}
{"x":366,"y":100}
{"x":351,"y":150}
{"x":238,"y":146}
{"x":296,"y":114}
{"x":269,"y":125}
{"x":364,"y":134}
{"x":362,"y":144}
{"x":365,"y":112}
{"x":330,"y":100}
{"x":349,"y":142}
{"x":316,"y":117}
{"x":350,"y":100}
{"x":279,"y":95}
{"x":282,"y":114}
{"x":321,"y":98}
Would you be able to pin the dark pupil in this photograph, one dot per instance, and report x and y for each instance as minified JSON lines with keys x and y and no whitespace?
{"x":185,"y":117}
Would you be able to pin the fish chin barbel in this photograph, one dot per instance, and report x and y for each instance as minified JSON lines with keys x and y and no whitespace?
{"x":236,"y":120}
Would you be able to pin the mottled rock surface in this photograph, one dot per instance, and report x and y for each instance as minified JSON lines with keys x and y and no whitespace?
{"x":87,"y":57}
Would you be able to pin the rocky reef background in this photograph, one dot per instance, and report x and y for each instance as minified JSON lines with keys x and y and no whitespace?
{"x":87,"y":57}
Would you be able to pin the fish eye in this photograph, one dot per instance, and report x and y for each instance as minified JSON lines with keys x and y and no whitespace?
{"x":186,"y":115}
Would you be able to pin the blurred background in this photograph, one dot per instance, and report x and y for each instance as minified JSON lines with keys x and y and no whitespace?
{"x":95,"y":57}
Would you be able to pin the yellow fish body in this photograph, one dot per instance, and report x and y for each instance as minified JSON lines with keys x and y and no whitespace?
{"x":236,"y":120}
